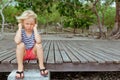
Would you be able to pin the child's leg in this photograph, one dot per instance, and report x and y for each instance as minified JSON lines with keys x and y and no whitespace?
{"x":20,"y":52}
{"x":38,"y":50}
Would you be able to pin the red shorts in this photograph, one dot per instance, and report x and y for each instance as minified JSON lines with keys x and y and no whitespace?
{"x":29,"y":55}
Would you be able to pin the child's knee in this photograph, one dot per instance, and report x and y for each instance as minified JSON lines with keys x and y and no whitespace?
{"x":21,"y":45}
{"x":38,"y":46}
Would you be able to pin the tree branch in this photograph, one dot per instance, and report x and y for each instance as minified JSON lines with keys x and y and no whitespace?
{"x":6,"y":4}
{"x":95,"y":2}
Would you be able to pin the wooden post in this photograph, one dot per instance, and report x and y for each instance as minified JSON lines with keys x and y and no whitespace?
{"x":33,"y":74}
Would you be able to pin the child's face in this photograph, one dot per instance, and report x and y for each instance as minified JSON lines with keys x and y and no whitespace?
{"x":29,"y":24}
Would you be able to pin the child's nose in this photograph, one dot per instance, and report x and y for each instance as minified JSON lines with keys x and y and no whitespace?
{"x":30,"y":25}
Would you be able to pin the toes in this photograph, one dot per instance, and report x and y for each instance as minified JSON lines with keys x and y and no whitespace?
{"x":17,"y":76}
{"x":44,"y":72}
{"x":22,"y":76}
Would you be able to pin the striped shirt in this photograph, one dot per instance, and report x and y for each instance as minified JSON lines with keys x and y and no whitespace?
{"x":28,"y":41}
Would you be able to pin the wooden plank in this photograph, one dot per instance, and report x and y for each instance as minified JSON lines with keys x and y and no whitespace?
{"x":33,"y":74}
{"x":97,"y":57}
{"x":103,"y":54}
{"x":46,"y":51}
{"x":69,"y":53}
{"x":44,"y":44}
{"x":86,"y":67}
{"x":110,"y":54}
{"x":6,"y":55}
{"x":104,"y":50}
{"x":71,"y":48}
{"x":111,"y":57}
{"x":32,"y":61}
{"x":58,"y":57}
{"x":91,"y":54}
{"x":108,"y":58}
{"x":110,"y":51}
{"x":82,"y":53}
{"x":14,"y":61}
{"x":51,"y":56}
{"x":65,"y":57}
{"x":7,"y":58}
{"x":3,"y":51}
{"x":115,"y":51}
{"x":13,"y":56}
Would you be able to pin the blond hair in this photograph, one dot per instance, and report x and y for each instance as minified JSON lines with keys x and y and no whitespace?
{"x":25,"y":15}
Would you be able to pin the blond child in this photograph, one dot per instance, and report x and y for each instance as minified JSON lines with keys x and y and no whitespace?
{"x":28,"y":42}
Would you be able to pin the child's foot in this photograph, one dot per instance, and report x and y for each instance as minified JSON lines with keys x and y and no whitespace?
{"x":44,"y":72}
{"x":19,"y":75}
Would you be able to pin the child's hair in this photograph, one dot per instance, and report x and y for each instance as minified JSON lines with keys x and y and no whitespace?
{"x":25,"y":15}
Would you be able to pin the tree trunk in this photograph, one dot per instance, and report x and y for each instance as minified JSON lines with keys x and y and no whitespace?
{"x":103,"y":18}
{"x":99,"y":23}
{"x":82,"y":30}
{"x":3,"y":21}
{"x":116,"y":30}
{"x":74,"y":31}
{"x":3,"y":18}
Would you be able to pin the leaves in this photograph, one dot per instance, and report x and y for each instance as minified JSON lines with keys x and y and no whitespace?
{"x":71,"y":13}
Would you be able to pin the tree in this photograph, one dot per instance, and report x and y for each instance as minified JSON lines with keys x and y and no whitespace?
{"x":76,"y":14}
{"x":3,"y":3}
{"x":100,"y":6}
{"x":116,"y":30}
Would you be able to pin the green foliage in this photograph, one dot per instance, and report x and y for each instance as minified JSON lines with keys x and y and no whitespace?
{"x":37,"y":5}
{"x":71,"y":13}
{"x":110,"y":17}
{"x":10,"y":12}
{"x":48,"y":17}
{"x":68,"y":7}
{"x":2,"y":3}
{"x":43,"y":8}
{"x":77,"y":15}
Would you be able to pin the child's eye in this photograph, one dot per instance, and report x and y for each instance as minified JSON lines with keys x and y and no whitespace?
{"x":31,"y":24}
{"x":27,"y":23}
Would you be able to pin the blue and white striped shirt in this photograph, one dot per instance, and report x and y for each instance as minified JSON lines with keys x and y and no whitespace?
{"x":28,"y":41}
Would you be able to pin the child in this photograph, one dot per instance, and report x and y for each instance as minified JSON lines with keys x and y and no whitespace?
{"x":28,"y":42}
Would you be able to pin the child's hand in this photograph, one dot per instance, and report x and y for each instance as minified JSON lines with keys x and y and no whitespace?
{"x":35,"y":25}
{"x":20,"y":25}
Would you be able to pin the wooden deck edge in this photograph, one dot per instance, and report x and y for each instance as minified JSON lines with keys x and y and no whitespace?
{"x":86,"y":67}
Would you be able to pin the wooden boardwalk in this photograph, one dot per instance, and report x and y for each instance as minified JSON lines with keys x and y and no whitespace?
{"x":70,"y":55}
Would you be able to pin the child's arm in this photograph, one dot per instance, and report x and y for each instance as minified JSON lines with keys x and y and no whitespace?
{"x":18,"y":37}
{"x":37,"y":36}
